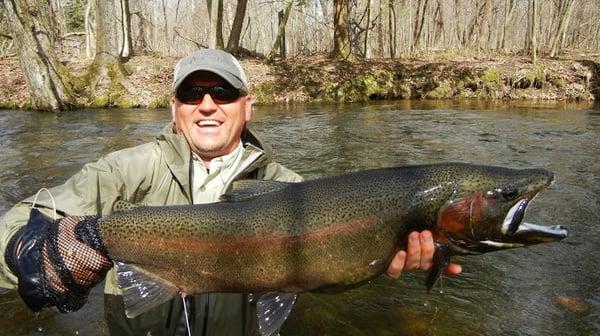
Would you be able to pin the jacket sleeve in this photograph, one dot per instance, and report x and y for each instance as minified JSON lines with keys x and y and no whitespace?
{"x":92,"y":191}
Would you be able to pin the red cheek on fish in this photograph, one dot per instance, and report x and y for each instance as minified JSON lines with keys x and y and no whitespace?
{"x":460,"y":213}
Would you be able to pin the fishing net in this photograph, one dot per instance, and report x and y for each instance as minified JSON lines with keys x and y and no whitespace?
{"x":57,"y":261}
{"x":73,"y":261}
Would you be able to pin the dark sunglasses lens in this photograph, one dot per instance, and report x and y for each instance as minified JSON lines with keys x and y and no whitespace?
{"x":224,"y":95}
{"x":192,"y":95}
{"x":219,"y":94}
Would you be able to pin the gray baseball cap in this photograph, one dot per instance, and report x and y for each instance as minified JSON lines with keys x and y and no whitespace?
{"x":216,"y":61}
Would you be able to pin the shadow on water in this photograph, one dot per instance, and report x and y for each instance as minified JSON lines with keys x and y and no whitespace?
{"x":549,"y":289}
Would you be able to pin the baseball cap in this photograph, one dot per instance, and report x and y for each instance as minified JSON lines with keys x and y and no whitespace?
{"x":216,"y":61}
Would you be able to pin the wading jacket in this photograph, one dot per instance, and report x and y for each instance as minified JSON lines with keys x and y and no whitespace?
{"x":155,"y":173}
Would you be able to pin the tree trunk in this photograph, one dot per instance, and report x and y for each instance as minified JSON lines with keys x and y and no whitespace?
{"x":125,"y":51}
{"x":439,"y":22}
{"x":559,"y":37}
{"x":324,"y":8}
{"x":215,"y":35}
{"x":380,"y":45}
{"x":106,"y":75}
{"x":419,"y":22}
{"x":47,"y":79}
{"x":366,"y":52}
{"x":89,"y":29}
{"x":341,"y":29}
{"x":509,"y":6}
{"x":280,"y":39}
{"x":485,"y":25}
{"x":233,"y":44}
{"x":532,"y":33}
{"x":392,"y":28}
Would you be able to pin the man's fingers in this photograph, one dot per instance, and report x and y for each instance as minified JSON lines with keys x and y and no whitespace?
{"x":453,"y":269}
{"x":413,"y":251}
{"x":427,"y":250}
{"x":397,"y":265}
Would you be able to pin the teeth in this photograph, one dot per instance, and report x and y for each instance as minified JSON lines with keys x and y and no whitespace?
{"x":209,"y":122}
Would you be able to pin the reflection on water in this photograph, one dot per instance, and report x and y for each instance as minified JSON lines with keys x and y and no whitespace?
{"x":544,"y":290}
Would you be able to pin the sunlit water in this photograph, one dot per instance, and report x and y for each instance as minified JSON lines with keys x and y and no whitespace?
{"x":550,"y":289}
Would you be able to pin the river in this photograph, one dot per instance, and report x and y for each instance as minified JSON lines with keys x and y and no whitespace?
{"x":550,"y":289}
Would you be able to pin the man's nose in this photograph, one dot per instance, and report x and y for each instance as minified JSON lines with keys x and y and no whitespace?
{"x":207,"y":104}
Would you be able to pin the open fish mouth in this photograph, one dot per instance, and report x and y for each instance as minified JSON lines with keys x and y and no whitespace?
{"x":517,"y":233}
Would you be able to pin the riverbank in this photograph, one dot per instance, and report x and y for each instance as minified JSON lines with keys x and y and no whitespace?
{"x":319,"y":79}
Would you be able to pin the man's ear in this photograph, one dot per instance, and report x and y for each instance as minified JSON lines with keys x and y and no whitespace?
{"x":173,"y":113}
{"x":248,"y":108}
{"x":173,"y":103}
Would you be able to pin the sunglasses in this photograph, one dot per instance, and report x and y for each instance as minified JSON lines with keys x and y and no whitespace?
{"x":220,"y":94}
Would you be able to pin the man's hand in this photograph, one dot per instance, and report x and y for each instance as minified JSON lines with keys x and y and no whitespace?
{"x":418,"y":256}
{"x":57,"y":262}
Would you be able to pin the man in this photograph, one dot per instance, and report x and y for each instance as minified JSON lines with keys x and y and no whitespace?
{"x":193,"y":160}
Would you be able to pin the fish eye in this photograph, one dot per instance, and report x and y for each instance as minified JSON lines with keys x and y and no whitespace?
{"x":510,"y":193}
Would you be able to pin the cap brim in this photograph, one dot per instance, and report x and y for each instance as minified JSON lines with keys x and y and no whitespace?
{"x":225,"y":74}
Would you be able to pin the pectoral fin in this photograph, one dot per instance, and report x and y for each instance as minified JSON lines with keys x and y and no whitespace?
{"x":272,"y":310}
{"x":142,"y":290}
{"x":441,"y":261}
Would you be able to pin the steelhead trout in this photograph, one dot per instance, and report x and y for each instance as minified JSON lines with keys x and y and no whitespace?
{"x":328,"y":233}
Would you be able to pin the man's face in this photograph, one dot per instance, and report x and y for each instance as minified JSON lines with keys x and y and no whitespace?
{"x":211,"y":129}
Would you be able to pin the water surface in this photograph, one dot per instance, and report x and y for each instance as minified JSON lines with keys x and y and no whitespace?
{"x":550,"y":289}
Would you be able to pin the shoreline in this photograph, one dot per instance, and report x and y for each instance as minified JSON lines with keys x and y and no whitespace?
{"x":316,"y":79}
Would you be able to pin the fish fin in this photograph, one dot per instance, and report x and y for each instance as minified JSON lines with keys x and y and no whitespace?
{"x":142,"y":290}
{"x":121,"y":205}
{"x":441,"y":261}
{"x":244,"y":190}
{"x":272,"y":310}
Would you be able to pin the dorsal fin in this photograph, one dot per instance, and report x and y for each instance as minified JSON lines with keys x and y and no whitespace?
{"x":244,"y":190}
{"x":121,"y":205}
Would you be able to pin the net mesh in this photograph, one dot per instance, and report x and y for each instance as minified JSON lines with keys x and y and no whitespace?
{"x":74,"y":261}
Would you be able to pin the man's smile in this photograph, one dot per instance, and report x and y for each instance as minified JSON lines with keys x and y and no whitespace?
{"x":209,"y":123}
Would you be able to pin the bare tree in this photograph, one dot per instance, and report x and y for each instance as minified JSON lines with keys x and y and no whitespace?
{"x":215,"y":36}
{"x":419,"y":23}
{"x":125,"y":51}
{"x":341,"y":29}
{"x":89,"y":29}
{"x":559,"y":36}
{"x":106,"y":74}
{"x":280,"y":39}
{"x":233,"y":43}
{"x":34,"y":39}
{"x":533,"y":34}
{"x":439,"y":22}
{"x":509,"y":6}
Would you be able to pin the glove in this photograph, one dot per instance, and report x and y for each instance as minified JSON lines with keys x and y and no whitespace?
{"x":57,"y":262}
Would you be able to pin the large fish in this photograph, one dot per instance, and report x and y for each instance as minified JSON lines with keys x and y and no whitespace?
{"x":327,"y":233}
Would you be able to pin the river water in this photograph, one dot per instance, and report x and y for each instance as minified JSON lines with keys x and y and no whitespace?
{"x":550,"y":289}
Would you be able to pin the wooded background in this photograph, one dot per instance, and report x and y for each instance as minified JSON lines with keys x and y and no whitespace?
{"x":41,"y":33}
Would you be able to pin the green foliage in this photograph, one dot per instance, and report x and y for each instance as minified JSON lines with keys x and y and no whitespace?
{"x":75,"y":10}
{"x":161,"y":101}
{"x":490,"y":76}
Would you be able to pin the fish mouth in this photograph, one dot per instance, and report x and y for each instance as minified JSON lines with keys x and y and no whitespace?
{"x":516,"y":233}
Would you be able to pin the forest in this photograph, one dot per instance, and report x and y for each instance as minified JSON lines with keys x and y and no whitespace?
{"x":63,"y":54}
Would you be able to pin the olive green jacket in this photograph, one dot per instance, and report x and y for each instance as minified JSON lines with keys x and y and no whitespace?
{"x":155,"y":173}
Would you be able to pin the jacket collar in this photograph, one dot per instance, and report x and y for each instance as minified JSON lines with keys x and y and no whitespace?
{"x":178,"y":155}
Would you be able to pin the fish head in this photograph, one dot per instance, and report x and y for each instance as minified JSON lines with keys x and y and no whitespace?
{"x":486,"y":210}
